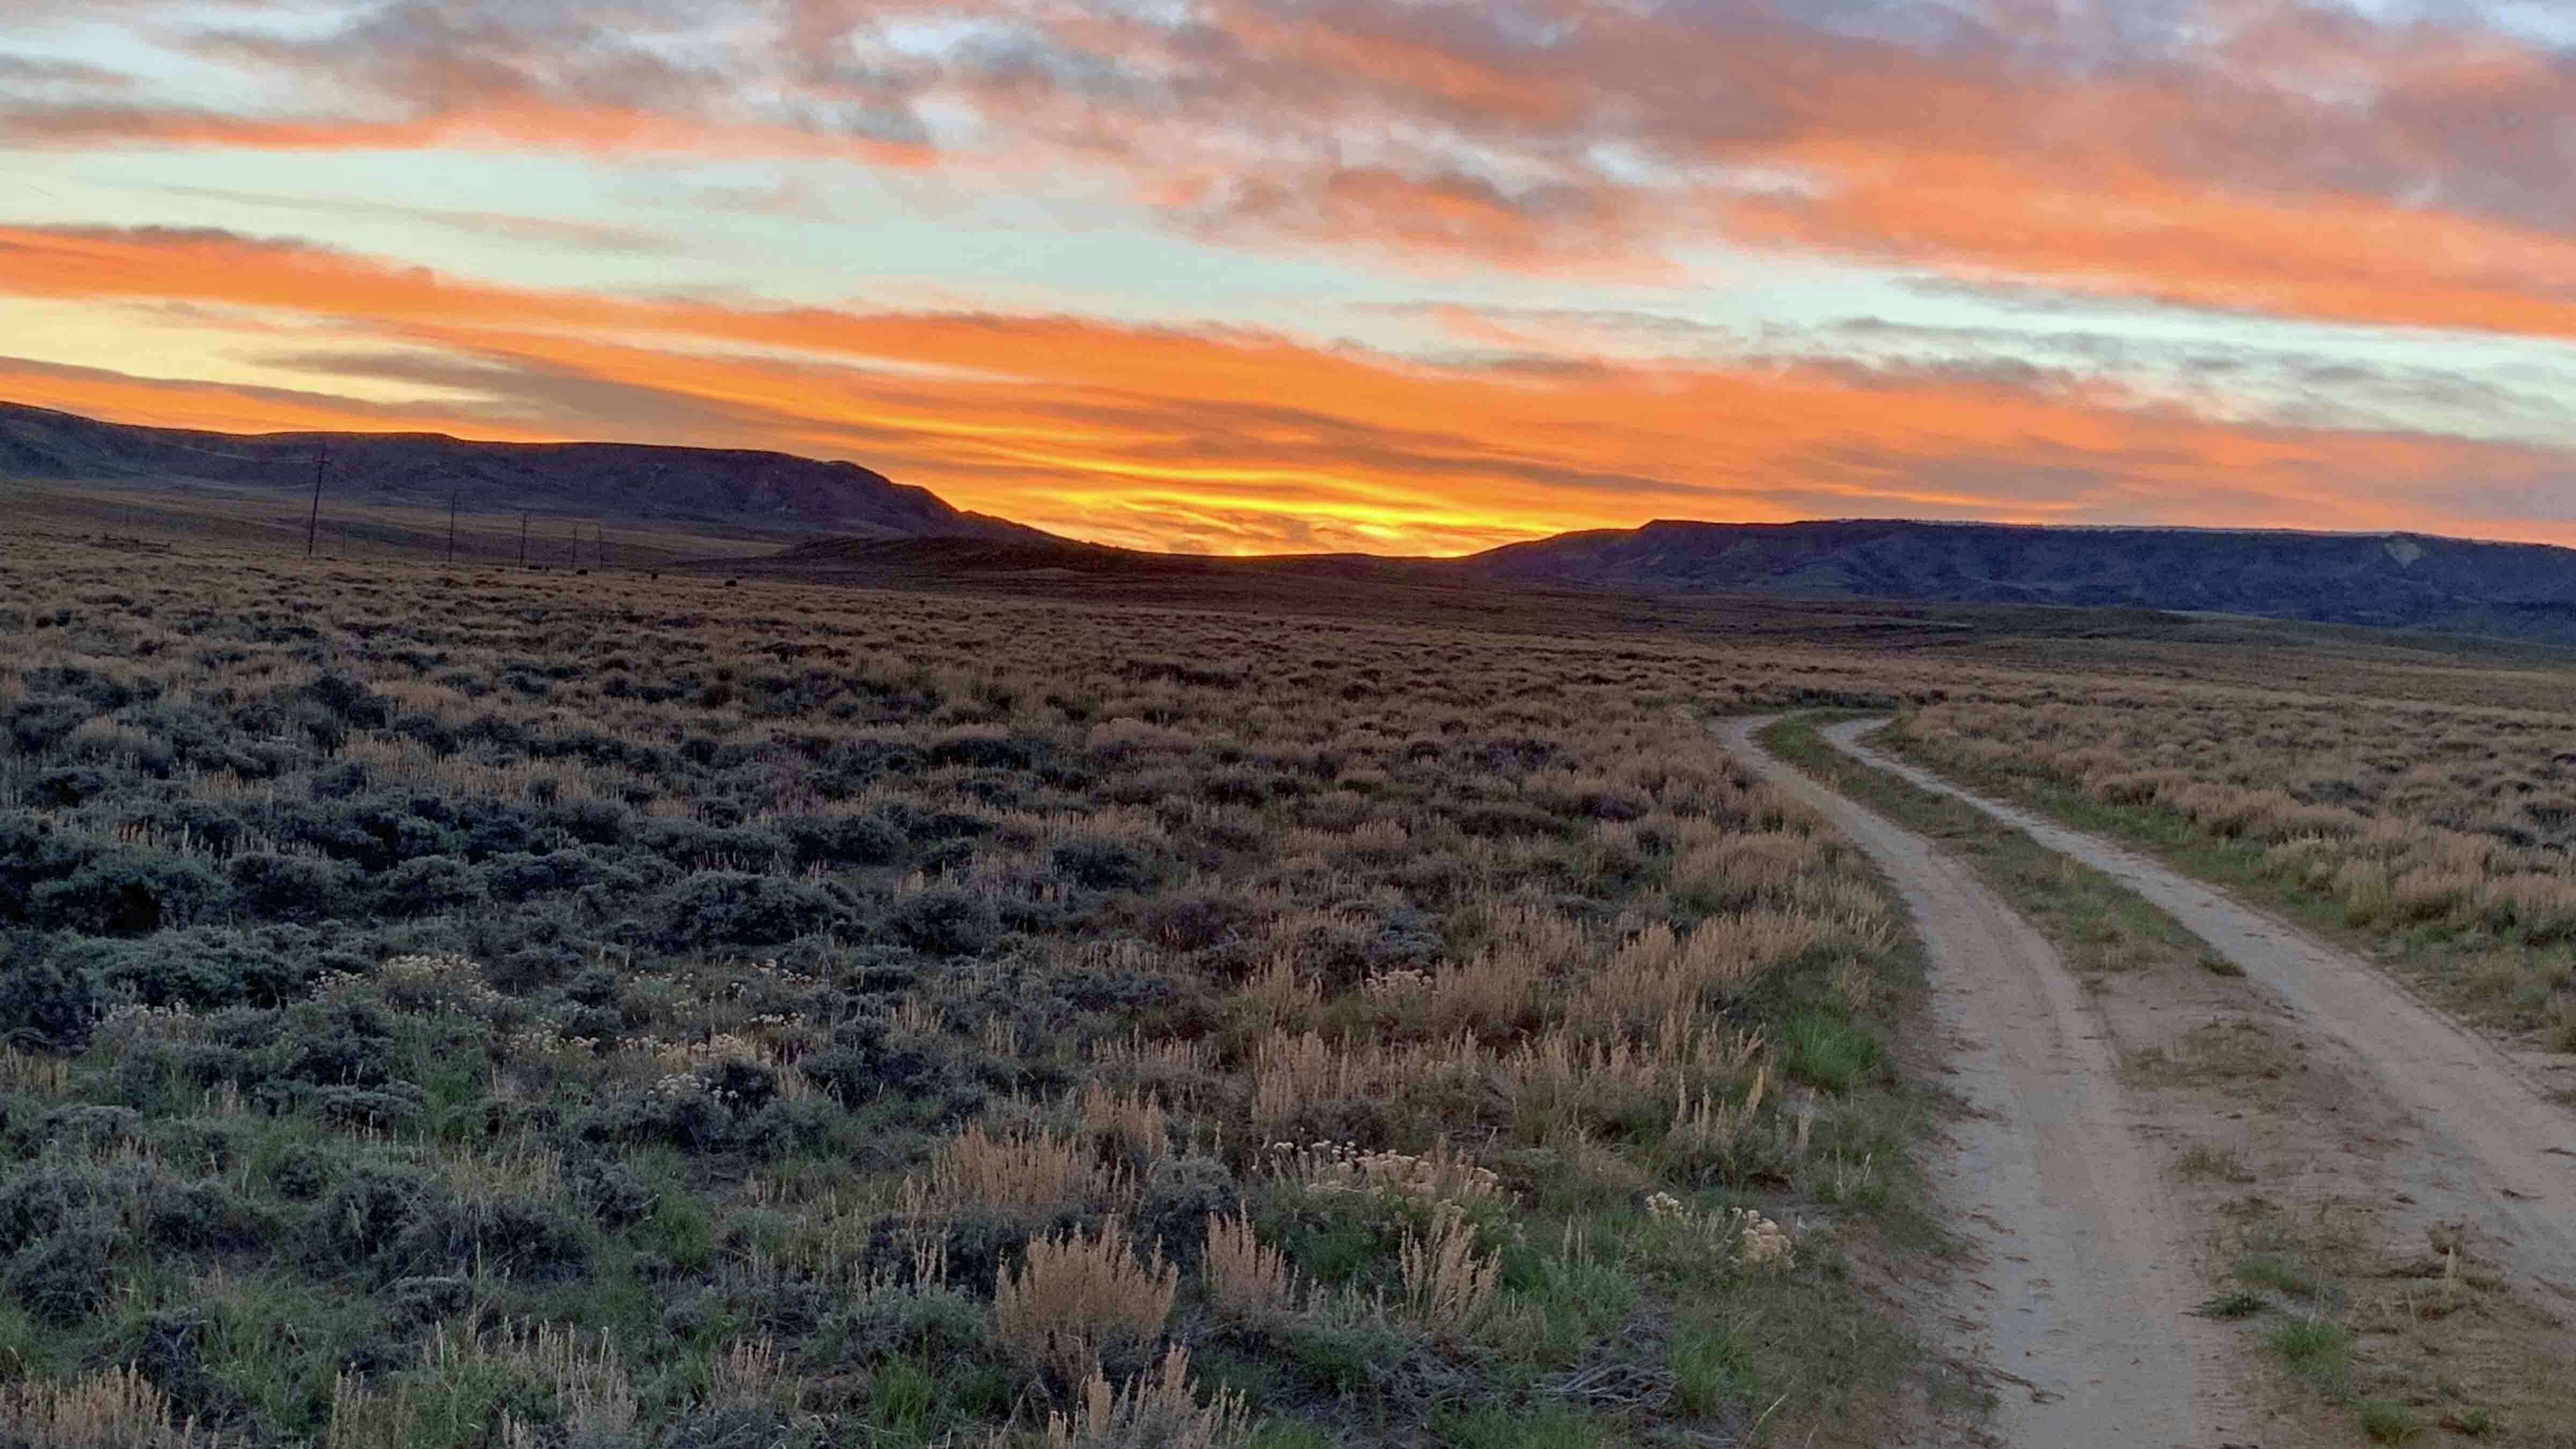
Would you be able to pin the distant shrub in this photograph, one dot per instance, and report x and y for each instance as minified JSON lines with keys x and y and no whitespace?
{"x":785,"y":1127}
{"x":730,"y":908}
{"x":349,"y":701}
{"x":612,"y":1191}
{"x":933,"y":1325}
{"x":1103,"y":864}
{"x":985,"y":747}
{"x":43,"y":1002}
{"x":591,"y":822}
{"x":429,"y":1297}
{"x":207,"y":967}
{"x":305,"y":1171}
{"x":432,"y":885}
{"x":515,"y":1237}
{"x":944,"y":921}
{"x":372,"y":1109}
{"x":1181,"y":1193}
{"x":677,"y":1111}
{"x":366,"y":1213}
{"x":863,"y":1063}
{"x":130,"y":893}
{"x":65,"y":1278}
{"x":701,"y":846}
{"x":83,"y":1129}
{"x":1197,"y":919}
{"x":857,"y":839}
{"x":39,"y":722}
{"x":206,"y":1217}
{"x":289,"y":887}
{"x":518,"y":875}
{"x":65,"y":788}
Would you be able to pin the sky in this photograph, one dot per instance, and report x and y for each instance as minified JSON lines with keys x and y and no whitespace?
{"x":1256,"y":276}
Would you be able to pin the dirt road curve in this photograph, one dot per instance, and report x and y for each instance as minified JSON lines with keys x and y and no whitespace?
{"x":2079,"y":1314}
{"x":2496,"y":1151}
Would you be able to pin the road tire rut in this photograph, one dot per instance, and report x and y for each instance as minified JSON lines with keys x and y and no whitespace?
{"x":2077,"y":1311}
{"x":2494,"y":1151}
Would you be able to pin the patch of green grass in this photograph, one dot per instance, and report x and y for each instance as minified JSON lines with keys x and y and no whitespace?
{"x":1828,"y":1054}
{"x":1546,"y":1427}
{"x":1709,"y":1371}
{"x":2279,"y":1275}
{"x":2204,"y":1163}
{"x":2313,"y":1345}
{"x":2475,"y":1423}
{"x":2233,"y":1304}
{"x":2388,"y":1424}
{"x":902,"y":1397}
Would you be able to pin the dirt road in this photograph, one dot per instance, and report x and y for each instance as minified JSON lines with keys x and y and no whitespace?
{"x":2493,"y":1151}
{"x":2078,"y":1314}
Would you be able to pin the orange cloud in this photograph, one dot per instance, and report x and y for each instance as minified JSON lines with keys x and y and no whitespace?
{"x":1239,"y":440}
{"x":2294,"y":159}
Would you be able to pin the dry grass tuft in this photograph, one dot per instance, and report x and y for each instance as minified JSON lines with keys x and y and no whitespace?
{"x":1493,"y":992}
{"x":1020,"y":1172}
{"x":1659,"y":977}
{"x":1078,"y":1302}
{"x":1247,"y":1281}
{"x":42,"y":1076}
{"x":113,"y":1409}
{"x":1137,"y":1123}
{"x":1292,"y":1072}
{"x":1448,"y":1286}
{"x":1157,"y":1408}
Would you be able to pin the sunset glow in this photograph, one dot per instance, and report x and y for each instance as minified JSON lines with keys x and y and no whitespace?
{"x":1247,"y":276}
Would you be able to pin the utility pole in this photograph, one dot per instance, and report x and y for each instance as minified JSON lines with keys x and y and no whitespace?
{"x":451,"y":530}
{"x":599,"y":545}
{"x":523,"y":538}
{"x":321,"y":461}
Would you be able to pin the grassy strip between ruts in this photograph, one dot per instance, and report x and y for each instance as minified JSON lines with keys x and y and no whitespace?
{"x":2397,"y":1342}
{"x":2510,"y":978}
{"x":2096,"y":924}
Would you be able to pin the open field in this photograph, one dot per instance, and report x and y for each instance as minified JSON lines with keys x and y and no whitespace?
{"x":486,"y":1009}
{"x":481,"y":1007}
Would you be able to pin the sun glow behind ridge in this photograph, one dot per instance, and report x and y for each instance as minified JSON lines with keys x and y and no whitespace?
{"x":1242,"y":277}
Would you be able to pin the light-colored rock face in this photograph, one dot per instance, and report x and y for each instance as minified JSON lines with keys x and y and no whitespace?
{"x":2405,"y":550}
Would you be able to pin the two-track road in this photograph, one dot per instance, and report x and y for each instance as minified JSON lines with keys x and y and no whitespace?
{"x":2078,"y":1313}
{"x":2077,"y":1308}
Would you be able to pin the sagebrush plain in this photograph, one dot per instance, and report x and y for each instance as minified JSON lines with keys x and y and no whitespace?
{"x":466,"y":1007}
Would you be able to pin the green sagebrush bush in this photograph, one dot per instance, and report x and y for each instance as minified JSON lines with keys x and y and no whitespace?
{"x":944,"y":920}
{"x":45,"y":1002}
{"x":734,"y":908}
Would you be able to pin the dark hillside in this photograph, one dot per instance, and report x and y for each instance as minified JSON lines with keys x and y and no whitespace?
{"x":2525,"y":591}
{"x":626,"y":480}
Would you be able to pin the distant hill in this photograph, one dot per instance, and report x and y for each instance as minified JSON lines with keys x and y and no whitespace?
{"x":871,"y":528}
{"x":627,"y":480}
{"x":2505,"y":590}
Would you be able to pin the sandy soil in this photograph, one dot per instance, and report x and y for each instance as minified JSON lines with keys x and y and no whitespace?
{"x":2076,"y":1309}
{"x":2486,"y":1149}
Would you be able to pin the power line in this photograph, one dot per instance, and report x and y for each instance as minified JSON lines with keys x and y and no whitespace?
{"x":312,"y":524}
